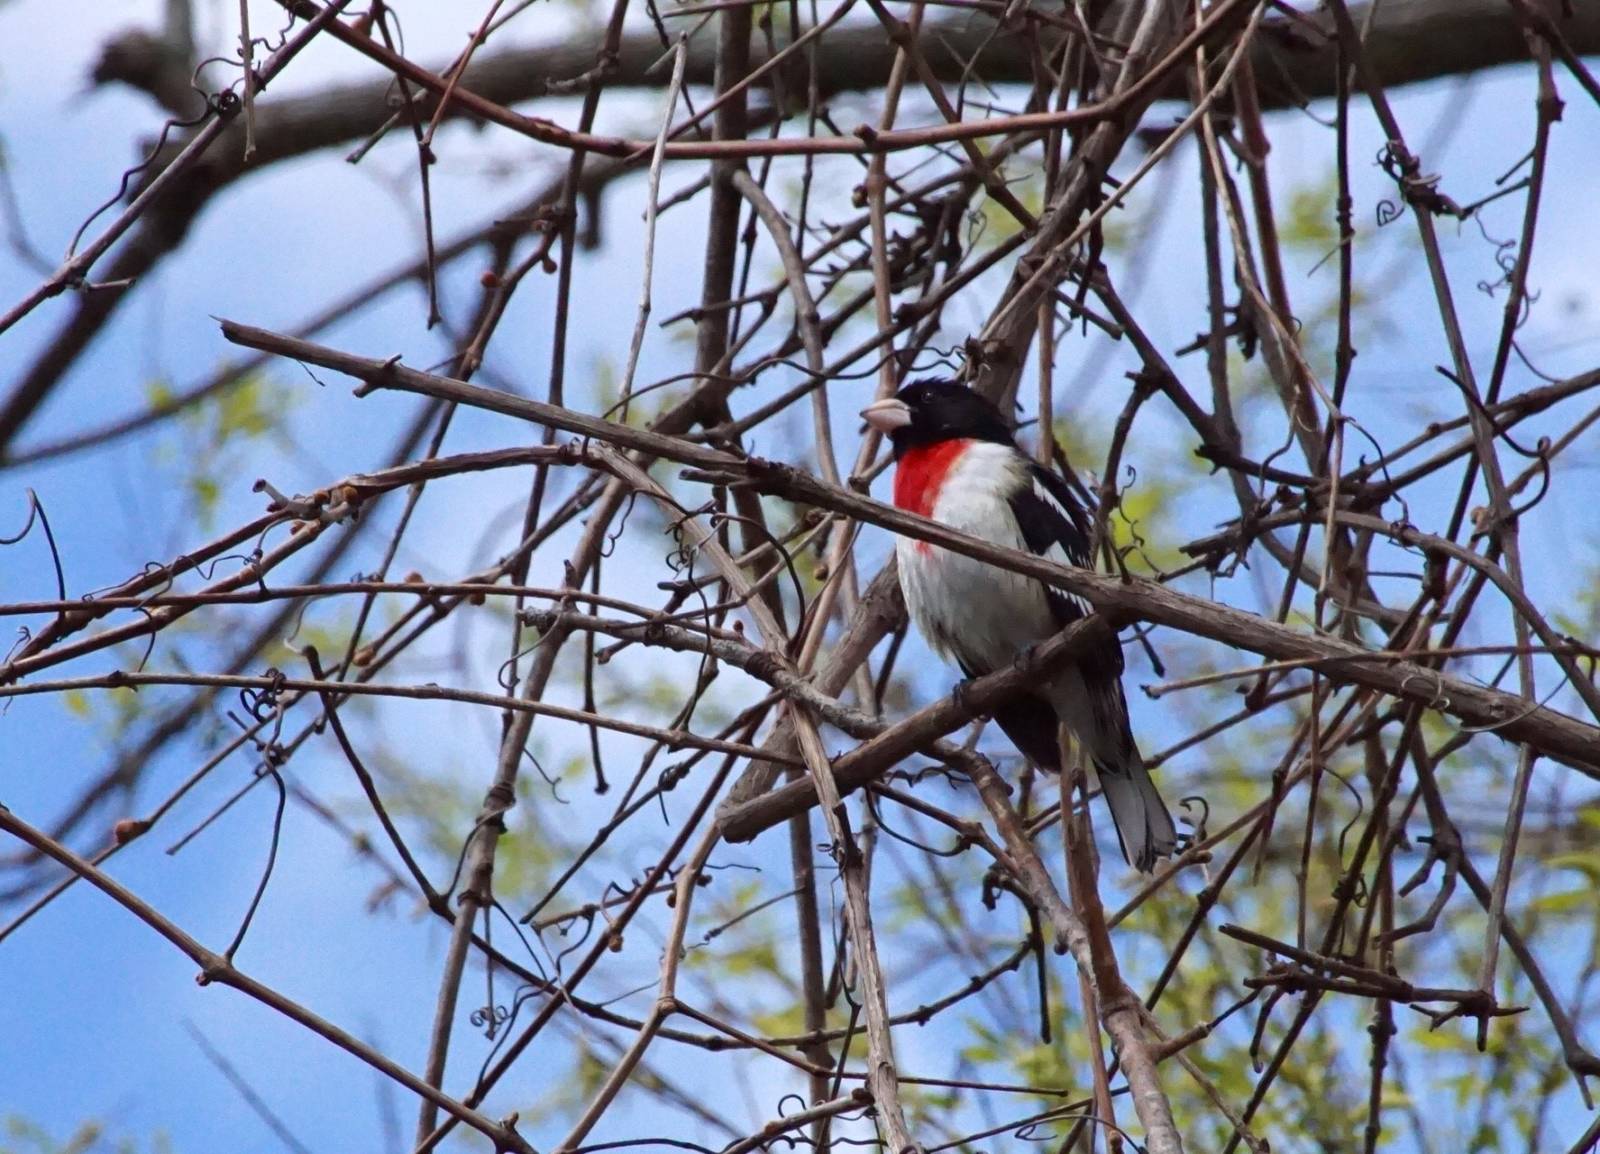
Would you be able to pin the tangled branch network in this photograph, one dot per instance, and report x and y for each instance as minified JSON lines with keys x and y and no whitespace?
{"x":577,"y":626}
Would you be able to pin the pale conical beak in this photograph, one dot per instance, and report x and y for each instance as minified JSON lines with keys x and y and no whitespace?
{"x":887,"y":415}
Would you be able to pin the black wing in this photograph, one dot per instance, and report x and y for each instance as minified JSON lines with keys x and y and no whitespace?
{"x":1055,"y":525}
{"x":1030,"y":723}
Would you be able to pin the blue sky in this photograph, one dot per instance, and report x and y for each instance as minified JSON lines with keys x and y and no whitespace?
{"x":98,"y":1002}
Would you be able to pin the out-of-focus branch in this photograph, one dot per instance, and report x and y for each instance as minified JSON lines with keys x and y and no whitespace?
{"x":1412,"y":41}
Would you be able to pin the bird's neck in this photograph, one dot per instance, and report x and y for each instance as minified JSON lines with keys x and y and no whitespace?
{"x":921,"y":473}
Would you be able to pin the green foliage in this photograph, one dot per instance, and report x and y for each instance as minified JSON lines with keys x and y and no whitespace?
{"x":22,"y":1136}
{"x":998,"y":224}
{"x":441,"y":805}
{"x":1309,"y":220}
{"x":642,"y":410}
{"x":214,"y":436}
{"x":1140,"y":525}
{"x":1579,"y":899}
{"x":567,"y":1091}
{"x":739,"y":944}
{"x":109,"y":712}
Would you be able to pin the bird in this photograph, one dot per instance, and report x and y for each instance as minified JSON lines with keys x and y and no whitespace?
{"x":957,"y":462}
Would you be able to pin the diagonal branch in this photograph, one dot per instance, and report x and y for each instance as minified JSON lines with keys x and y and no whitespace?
{"x":214,"y":968}
{"x":1555,"y":734}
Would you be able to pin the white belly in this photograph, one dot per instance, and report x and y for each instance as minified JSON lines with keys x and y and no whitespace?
{"x":973,"y":613}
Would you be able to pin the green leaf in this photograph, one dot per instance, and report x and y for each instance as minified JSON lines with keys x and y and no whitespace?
{"x":158,"y":392}
{"x":1565,"y":902}
{"x":1585,"y":861}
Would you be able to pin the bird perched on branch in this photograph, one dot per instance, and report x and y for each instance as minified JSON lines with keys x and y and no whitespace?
{"x":957,"y":463}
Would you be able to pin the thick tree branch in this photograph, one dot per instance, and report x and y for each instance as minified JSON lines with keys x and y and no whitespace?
{"x":1412,"y":41}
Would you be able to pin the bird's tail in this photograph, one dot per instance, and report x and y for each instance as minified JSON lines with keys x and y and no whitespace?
{"x":1097,"y":714}
{"x":1144,"y":827}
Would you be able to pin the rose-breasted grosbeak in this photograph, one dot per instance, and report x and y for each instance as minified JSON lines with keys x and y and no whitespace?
{"x":957,"y":463}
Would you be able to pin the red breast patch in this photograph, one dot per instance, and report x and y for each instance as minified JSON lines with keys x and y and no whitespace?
{"x":921,"y":473}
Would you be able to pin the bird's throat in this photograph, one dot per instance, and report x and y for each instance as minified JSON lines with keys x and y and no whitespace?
{"x":921,"y":474}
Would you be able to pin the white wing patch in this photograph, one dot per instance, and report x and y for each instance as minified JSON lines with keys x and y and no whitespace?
{"x":1057,"y":552}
